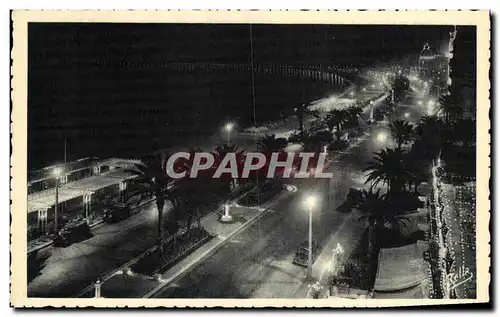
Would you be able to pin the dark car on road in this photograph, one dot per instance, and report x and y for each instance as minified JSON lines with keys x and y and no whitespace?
{"x":73,"y":231}
{"x":302,"y":254}
{"x":117,"y":213}
{"x":264,"y":193}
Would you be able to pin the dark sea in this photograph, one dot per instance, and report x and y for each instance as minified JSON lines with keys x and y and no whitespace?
{"x":127,"y":112}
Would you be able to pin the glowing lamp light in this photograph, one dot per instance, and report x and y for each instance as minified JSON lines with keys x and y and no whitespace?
{"x":407,"y":114}
{"x":229,"y":127}
{"x":57,"y":172}
{"x":310,"y":201}
{"x":381,"y":137}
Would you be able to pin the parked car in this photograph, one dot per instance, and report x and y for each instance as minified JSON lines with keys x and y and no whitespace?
{"x":73,"y":231}
{"x":117,"y":213}
{"x":302,"y":254}
{"x":265,"y":192}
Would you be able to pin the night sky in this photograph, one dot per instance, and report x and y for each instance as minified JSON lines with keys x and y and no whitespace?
{"x":80,"y":86}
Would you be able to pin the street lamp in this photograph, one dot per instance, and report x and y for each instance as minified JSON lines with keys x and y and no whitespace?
{"x":310,"y":203}
{"x":57,"y":173}
{"x":228,"y":128}
{"x":430,"y":107}
{"x":381,"y":137}
{"x":407,"y":114}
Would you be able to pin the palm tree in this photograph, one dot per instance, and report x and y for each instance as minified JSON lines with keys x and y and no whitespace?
{"x":449,"y":108}
{"x":196,"y":194}
{"x":402,"y":131}
{"x":416,"y":169}
{"x":430,"y":132}
{"x":220,"y":152}
{"x":317,"y":140}
{"x":373,"y":206}
{"x":152,"y":181}
{"x":270,"y":144}
{"x":354,"y":113}
{"x":387,"y":167}
{"x":301,"y":112}
{"x":336,"y":118}
{"x":389,"y":107}
{"x":400,"y":85}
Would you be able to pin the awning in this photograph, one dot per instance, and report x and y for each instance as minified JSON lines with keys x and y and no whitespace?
{"x":46,"y":199}
{"x":401,"y":268}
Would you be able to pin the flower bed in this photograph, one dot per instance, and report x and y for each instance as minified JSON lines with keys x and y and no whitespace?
{"x":184,"y":244}
{"x":359,"y":270}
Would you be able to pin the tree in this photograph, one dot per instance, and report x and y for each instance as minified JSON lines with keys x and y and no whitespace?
{"x":152,"y":181}
{"x":219,"y":153}
{"x":430,"y":131}
{"x":194,"y":195}
{"x":449,"y":108}
{"x":400,"y":85}
{"x":402,"y":131}
{"x":336,"y":118}
{"x":270,"y":144}
{"x":389,"y":107}
{"x":387,"y":167}
{"x":416,"y":169}
{"x":317,"y":140}
{"x":354,"y":113}
{"x":374,"y":208}
{"x":301,"y":112}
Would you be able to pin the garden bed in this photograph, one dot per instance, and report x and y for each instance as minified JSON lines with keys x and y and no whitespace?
{"x":185,"y":244}
{"x":359,"y":270}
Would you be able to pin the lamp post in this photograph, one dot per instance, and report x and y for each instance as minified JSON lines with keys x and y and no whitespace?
{"x":310,"y":202}
{"x":381,"y":138}
{"x":371,"y":111}
{"x":57,"y":173}
{"x":228,"y":128}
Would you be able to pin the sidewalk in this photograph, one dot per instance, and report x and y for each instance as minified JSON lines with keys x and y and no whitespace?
{"x":127,"y":284}
{"x":348,"y":235}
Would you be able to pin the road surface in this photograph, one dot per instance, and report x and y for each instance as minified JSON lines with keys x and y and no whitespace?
{"x":257,"y":263}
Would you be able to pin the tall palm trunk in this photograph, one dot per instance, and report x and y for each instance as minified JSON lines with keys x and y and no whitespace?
{"x":338,"y":132}
{"x":160,"y":203}
{"x":371,"y":236}
{"x":301,"y":123}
